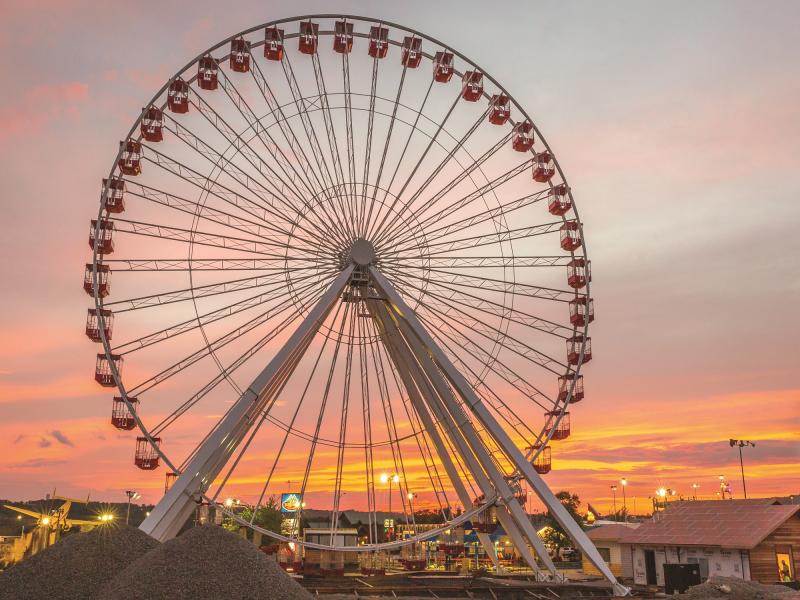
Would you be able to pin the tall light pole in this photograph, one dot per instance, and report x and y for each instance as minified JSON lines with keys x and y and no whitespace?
{"x":742,"y":444}
{"x":722,"y":487}
{"x":624,"y":483}
{"x":614,"y":491}
{"x":390,"y":479}
{"x":694,"y":491}
{"x":132,"y":495}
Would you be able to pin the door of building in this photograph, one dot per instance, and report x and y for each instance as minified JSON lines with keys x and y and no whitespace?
{"x":650,"y":567}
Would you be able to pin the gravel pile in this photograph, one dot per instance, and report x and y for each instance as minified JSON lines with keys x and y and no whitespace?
{"x":205,"y":563}
{"x":77,"y":566}
{"x":731,"y":588}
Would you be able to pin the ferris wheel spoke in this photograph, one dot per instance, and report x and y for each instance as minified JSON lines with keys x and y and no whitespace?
{"x":204,"y":212}
{"x":217,"y":190}
{"x":230,"y":370}
{"x":327,"y":119}
{"x":460,"y":339}
{"x":492,"y":333}
{"x":282,"y":184}
{"x":204,"y":238}
{"x":362,"y":214}
{"x":284,"y":264}
{"x":480,"y":303}
{"x":274,"y":291}
{"x":423,"y":445}
{"x":324,"y":402}
{"x":454,"y":181}
{"x":477,"y":241}
{"x":255,"y":123}
{"x":372,"y":231}
{"x":270,"y":197}
{"x":390,"y":130}
{"x":223,"y":341}
{"x":442,"y":215}
{"x":379,"y":235}
{"x":190,"y":293}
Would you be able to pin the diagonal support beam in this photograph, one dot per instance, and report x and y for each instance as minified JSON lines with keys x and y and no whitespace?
{"x":392,"y":340}
{"x":176,"y":506}
{"x":492,"y":427}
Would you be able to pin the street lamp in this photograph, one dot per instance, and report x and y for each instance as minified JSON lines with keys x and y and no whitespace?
{"x":694,"y":491}
{"x":132,"y":495}
{"x":614,"y":491}
{"x":742,"y":444}
{"x":722,"y":487}
{"x":390,"y":479}
{"x":624,"y":483}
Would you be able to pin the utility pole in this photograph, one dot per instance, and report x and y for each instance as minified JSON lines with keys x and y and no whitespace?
{"x":624,"y":483}
{"x":614,"y":491}
{"x":742,"y":444}
{"x":132,"y":495}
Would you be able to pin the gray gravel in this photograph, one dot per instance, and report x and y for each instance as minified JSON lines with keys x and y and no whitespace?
{"x":205,"y":563}
{"x":730,"y":588}
{"x":75,"y":567}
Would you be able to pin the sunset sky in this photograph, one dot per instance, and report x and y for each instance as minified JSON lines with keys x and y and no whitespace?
{"x":677,"y":123}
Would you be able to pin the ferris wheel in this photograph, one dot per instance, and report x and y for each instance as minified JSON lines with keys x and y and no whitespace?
{"x":344,"y":259}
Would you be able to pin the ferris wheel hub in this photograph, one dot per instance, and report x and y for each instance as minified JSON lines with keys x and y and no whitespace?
{"x":362,"y":252}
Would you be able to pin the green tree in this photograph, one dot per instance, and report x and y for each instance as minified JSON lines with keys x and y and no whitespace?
{"x":554,"y":536}
{"x":268,"y":516}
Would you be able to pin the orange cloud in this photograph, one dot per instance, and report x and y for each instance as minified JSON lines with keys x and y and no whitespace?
{"x":41,"y":105}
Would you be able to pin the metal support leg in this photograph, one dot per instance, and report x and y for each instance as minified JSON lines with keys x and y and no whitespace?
{"x":514,"y":454}
{"x":510,"y":514}
{"x":473,"y":452}
{"x":392,"y":340}
{"x":176,"y":506}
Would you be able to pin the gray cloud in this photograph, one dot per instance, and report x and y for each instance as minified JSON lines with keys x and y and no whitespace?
{"x":61,"y":438}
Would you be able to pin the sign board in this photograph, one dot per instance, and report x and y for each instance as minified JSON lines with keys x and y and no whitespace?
{"x":291,"y":503}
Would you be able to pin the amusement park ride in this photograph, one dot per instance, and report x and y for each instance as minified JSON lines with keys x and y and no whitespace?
{"x":351,"y":263}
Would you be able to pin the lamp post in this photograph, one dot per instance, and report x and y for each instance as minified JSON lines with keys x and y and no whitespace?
{"x":624,"y":483}
{"x":694,"y":491}
{"x":614,"y":491}
{"x":742,"y":444}
{"x":390,"y":479}
{"x":132,"y":495}
{"x":722,"y":487}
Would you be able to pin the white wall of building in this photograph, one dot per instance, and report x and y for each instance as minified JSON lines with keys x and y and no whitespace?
{"x":721,"y":562}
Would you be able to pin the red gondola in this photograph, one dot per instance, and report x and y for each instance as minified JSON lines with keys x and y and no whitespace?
{"x":411,"y":53}
{"x":207,"y":68}
{"x":579,"y":272}
{"x":343,"y":37}
{"x":543,"y":463}
{"x":522,"y":139}
{"x":102,"y":371}
{"x":169,"y":479}
{"x":115,"y":194}
{"x":564,"y":383}
{"x":240,"y":55}
{"x":105,"y":243}
{"x":309,"y":37}
{"x":560,"y":431}
{"x":273,"y":43}
{"x":152,"y":124}
{"x":500,"y":109}
{"x":486,"y":521}
{"x":146,"y":456}
{"x":121,"y":416}
{"x":178,"y":96}
{"x":443,"y":67}
{"x":93,"y":324}
{"x":543,"y":167}
{"x":581,"y":311}
{"x":378,"y":41}
{"x":570,"y":236}
{"x":130,"y":163}
{"x":472,"y":86}
{"x":577,"y":344}
{"x":560,"y":202}
{"x":103,"y":283}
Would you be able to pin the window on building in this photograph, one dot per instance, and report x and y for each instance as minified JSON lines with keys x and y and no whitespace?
{"x":783,"y":558}
{"x":605,"y":553}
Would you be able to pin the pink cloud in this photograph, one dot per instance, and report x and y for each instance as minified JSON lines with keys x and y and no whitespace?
{"x":40,"y":106}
